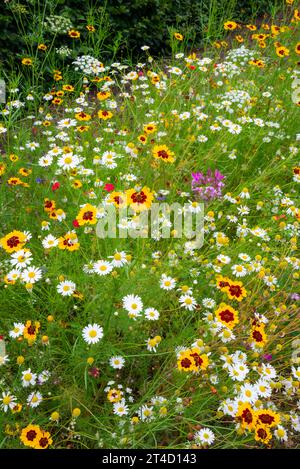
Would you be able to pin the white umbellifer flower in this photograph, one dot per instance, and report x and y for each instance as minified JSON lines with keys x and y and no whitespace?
{"x":34,"y":399}
{"x":8,"y":401}
{"x":152,"y":314}
{"x":102,"y":267}
{"x":17,"y":331}
{"x":204,"y":437}
{"x":120,"y":408}
{"x":31,"y":274}
{"x":92,"y":333}
{"x":21,"y":258}
{"x":28,"y":378}
{"x":167,"y":283}
{"x":88,"y":65}
{"x":49,"y":242}
{"x":66,"y":288}
{"x":117,"y":362}
{"x":133,"y":304}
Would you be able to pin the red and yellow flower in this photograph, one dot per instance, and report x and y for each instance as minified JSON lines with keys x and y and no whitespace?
{"x":13,"y":241}
{"x":119,"y":199}
{"x":69,"y":242}
{"x":163,"y":153}
{"x":246,"y":416}
{"x":139,"y":200}
{"x":227,"y":315}
{"x":30,"y":434}
{"x":262,"y":434}
{"x":31,"y":330}
{"x":230,"y":25}
{"x":104,"y":115}
{"x":267,"y":417}
{"x":87,"y":215}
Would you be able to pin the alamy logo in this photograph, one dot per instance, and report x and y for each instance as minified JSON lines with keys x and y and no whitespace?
{"x":296,"y":90}
{"x":2,"y":91}
{"x":160,"y":221}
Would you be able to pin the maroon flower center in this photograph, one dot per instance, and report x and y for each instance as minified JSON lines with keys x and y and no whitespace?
{"x":87,"y":215}
{"x":118,"y":200}
{"x":186,"y":363}
{"x":13,"y":241}
{"x":235,"y":290}
{"x":139,"y":197}
{"x":223,"y":284}
{"x":43,"y":442}
{"x":197,"y":358}
{"x":31,"y":435}
{"x":163,"y":154}
{"x":266,"y":419}
{"x":257,"y":336}
{"x":227,"y":316}
{"x":31,"y":330}
{"x":247,"y":416}
{"x":262,"y":433}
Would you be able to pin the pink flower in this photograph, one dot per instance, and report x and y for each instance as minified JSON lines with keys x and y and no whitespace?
{"x":109,"y":187}
{"x":55,"y":186}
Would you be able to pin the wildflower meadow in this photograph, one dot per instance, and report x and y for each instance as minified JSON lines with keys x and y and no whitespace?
{"x":149,"y":257}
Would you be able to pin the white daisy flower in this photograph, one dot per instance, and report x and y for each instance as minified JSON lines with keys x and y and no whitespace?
{"x":7,"y":401}
{"x":152,"y":314}
{"x":133,"y":304}
{"x":31,"y":274}
{"x":167,"y":283}
{"x":204,"y":437}
{"x":117,"y":362}
{"x":28,"y":378}
{"x":49,"y":242}
{"x":17,"y":331}
{"x":102,"y":267}
{"x":66,"y":288}
{"x":34,"y":399}
{"x":92,"y":333}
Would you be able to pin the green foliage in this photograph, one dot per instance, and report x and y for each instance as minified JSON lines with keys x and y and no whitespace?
{"x":128,"y":24}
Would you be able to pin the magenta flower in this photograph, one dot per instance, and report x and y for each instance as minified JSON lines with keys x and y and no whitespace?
{"x":208,"y":186}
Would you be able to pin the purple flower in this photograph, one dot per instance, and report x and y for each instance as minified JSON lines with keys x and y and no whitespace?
{"x":267,"y":356}
{"x":208,"y":186}
{"x":295,"y":296}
